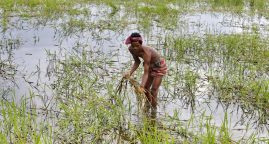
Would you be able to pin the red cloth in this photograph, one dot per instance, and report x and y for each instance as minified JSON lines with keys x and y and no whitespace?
{"x":129,"y":39}
{"x":159,"y":71}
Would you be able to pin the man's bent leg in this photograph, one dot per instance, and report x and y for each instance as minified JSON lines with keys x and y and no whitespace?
{"x":147,"y":87}
{"x":148,"y":93}
{"x":155,"y":89}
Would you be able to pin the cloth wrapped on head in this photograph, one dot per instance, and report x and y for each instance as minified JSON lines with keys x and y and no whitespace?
{"x":131,"y":39}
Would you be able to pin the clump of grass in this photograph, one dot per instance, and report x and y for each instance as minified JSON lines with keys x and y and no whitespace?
{"x":191,"y":81}
{"x":160,"y":13}
{"x":19,"y":123}
{"x":152,"y":134}
{"x":225,"y":136}
{"x":210,"y":134}
{"x":259,"y":6}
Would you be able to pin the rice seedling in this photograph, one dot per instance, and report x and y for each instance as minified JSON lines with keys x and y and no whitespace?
{"x":19,"y":124}
{"x":224,"y":131}
{"x":151,"y":134}
{"x":238,"y":4}
{"x":210,"y":136}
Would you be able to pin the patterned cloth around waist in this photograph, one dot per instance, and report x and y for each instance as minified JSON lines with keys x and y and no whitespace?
{"x":159,"y":68}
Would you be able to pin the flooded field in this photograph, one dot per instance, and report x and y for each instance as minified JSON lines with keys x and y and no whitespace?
{"x":61,"y":63}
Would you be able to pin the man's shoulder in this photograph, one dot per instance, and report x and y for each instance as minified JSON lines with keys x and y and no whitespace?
{"x":148,"y":47}
{"x":151,"y":49}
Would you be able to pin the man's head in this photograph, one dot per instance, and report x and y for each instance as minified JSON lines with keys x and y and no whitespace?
{"x":134,"y":38}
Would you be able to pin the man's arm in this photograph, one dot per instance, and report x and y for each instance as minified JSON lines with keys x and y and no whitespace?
{"x":135,"y":65}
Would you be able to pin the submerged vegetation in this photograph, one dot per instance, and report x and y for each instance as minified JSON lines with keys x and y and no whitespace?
{"x":209,"y":68}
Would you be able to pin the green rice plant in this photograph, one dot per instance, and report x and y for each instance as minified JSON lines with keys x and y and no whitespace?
{"x":88,"y":112}
{"x":184,"y":47}
{"x":36,"y":8}
{"x":157,"y":8}
{"x":258,"y":5}
{"x":7,"y":4}
{"x":259,"y":90}
{"x":231,"y":48}
{"x":210,"y":136}
{"x":146,"y":11}
{"x":240,"y":59}
{"x":191,"y":81}
{"x":20,"y":125}
{"x":114,"y":7}
{"x":4,"y":21}
{"x":159,"y":12}
{"x":224,"y":133}
{"x":236,"y":5}
{"x":170,"y":21}
{"x":151,"y":134}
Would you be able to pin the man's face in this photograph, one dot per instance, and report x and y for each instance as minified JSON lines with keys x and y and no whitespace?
{"x":135,"y":41}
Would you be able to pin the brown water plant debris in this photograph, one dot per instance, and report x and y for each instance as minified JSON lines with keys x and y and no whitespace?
{"x":140,"y":94}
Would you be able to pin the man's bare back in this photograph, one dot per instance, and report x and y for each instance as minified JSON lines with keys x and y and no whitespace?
{"x":145,"y":52}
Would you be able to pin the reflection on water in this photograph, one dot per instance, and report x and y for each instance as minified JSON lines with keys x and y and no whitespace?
{"x":29,"y":52}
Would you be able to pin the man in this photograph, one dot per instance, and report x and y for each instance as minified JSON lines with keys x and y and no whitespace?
{"x":154,"y":67}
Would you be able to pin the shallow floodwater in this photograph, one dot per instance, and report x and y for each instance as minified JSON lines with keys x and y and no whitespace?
{"x":39,"y":45}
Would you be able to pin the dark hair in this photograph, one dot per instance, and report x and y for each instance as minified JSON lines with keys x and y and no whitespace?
{"x":135,"y":34}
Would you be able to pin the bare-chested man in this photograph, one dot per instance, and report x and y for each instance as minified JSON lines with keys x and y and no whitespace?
{"x":154,"y":67}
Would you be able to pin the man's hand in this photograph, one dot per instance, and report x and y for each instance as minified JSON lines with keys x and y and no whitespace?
{"x":127,"y":75}
{"x":141,"y":90}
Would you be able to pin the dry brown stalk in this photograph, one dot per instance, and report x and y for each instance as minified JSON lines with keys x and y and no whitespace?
{"x":140,"y":93}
